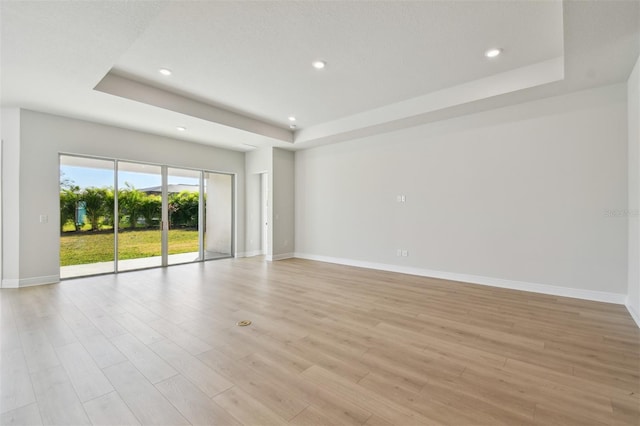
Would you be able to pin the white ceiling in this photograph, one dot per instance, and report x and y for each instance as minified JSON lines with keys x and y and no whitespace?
{"x":241,"y":68}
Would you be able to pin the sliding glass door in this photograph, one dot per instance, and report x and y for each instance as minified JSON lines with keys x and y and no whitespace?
{"x":183,"y":236}
{"x":156,"y":216}
{"x":140,"y":212}
{"x":218,"y":235}
{"x":86,"y":216}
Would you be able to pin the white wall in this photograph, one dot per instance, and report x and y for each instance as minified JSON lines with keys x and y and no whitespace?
{"x":42,"y":137}
{"x":517,"y":196}
{"x":10,"y":196}
{"x":282,"y":197}
{"x":633,"y":99}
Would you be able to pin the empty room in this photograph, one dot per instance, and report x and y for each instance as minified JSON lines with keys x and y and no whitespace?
{"x":320,"y":212}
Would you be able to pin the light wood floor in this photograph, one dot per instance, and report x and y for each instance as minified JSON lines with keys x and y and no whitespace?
{"x":329,"y":345}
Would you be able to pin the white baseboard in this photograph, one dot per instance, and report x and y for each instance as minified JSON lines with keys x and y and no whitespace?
{"x":634,"y":314}
{"x":28,"y":282}
{"x":249,"y":253}
{"x":282,"y":256}
{"x":598,"y":296}
{"x":10,"y":283}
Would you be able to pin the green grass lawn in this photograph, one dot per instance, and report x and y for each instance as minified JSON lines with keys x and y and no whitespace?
{"x":78,"y":248}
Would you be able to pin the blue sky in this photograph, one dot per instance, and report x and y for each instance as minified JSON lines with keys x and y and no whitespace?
{"x":86,"y":177}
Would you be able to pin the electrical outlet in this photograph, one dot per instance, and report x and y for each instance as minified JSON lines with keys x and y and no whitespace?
{"x":405,"y":253}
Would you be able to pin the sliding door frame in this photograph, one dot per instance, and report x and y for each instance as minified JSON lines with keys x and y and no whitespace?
{"x":202,"y":220}
{"x":116,"y":216}
{"x":164,"y":225}
{"x":164,"y":220}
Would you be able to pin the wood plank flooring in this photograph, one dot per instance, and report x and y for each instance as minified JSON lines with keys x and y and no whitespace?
{"x":329,"y":345}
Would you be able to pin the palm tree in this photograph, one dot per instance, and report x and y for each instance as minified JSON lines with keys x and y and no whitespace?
{"x":151,"y":209}
{"x":131,"y":200}
{"x":109,"y":206}
{"x":94,"y":204}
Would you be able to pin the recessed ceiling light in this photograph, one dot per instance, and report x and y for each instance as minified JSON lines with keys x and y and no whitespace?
{"x":319,"y":64}
{"x":181,"y":128}
{"x":292,"y":118}
{"x":165,"y":71}
{"x":292,"y":126}
{"x":492,"y":53}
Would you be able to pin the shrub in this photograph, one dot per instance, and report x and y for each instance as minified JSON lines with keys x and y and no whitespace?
{"x":94,"y":203}
{"x":131,"y":200}
{"x":183,"y":209}
{"x":151,"y":209}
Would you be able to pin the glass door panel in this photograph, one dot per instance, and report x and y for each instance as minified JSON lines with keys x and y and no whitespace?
{"x":183,"y":237}
{"x":140,"y":212}
{"x":218,"y":235}
{"x":103,"y":230}
{"x":86,"y":216}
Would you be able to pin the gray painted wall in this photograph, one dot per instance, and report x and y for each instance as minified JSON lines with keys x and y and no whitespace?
{"x":633,"y":97}
{"x":517,"y":193}
{"x":282,"y":195}
{"x":34,"y":169}
{"x":526,"y":193}
{"x":10,"y":194}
